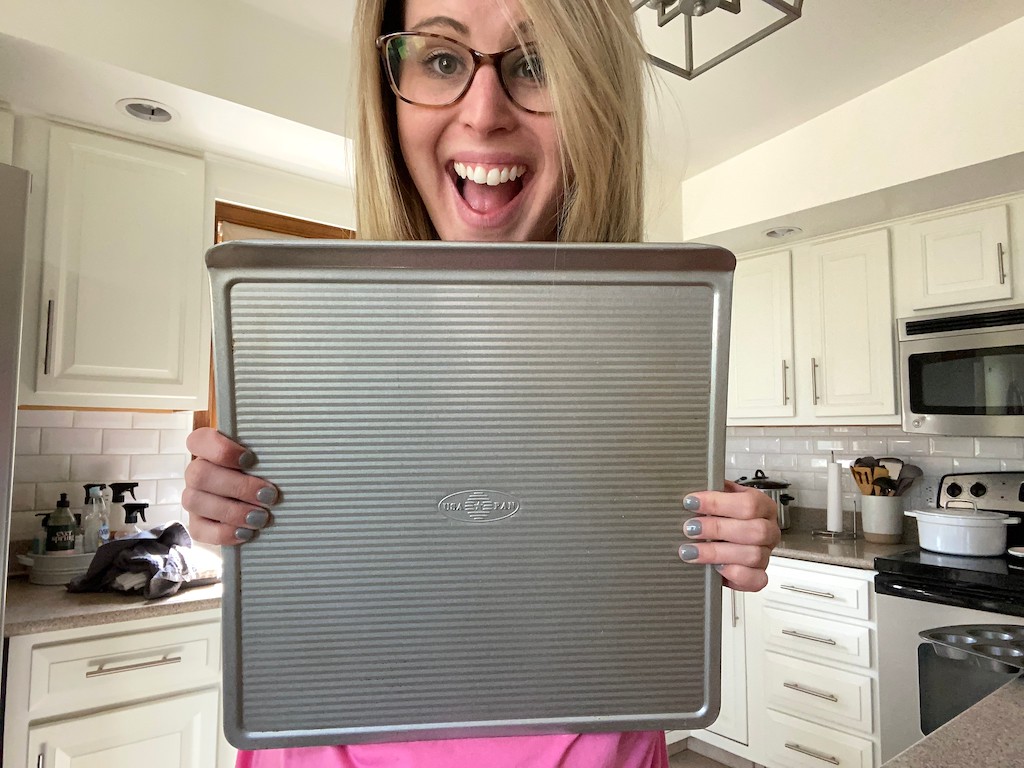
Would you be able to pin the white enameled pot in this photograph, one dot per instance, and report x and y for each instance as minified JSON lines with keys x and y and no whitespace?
{"x":956,"y":532}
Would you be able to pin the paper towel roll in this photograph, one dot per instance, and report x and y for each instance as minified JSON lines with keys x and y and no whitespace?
{"x":834,"y":500}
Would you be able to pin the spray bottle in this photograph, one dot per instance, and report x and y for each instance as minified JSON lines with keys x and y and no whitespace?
{"x":96,"y":521}
{"x":39,"y":540}
{"x":118,"y":528}
{"x":132,"y":512}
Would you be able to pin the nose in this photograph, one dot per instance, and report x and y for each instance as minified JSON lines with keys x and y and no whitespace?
{"x":486,"y":107}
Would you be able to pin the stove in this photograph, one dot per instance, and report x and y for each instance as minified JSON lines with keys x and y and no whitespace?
{"x":993,"y":584}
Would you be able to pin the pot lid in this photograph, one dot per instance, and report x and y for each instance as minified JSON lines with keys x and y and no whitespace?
{"x":961,"y":516}
{"x":762,"y":482}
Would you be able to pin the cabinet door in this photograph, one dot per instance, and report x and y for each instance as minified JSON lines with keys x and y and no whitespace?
{"x":761,"y":338}
{"x":962,"y":258}
{"x":843,"y":312}
{"x":732,"y":719}
{"x":123,"y":285}
{"x":178,"y":732}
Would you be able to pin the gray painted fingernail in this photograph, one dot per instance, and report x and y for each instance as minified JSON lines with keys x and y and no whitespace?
{"x":257,"y":518}
{"x":692,"y":528}
{"x":244,"y":534}
{"x":247,"y":460}
{"x":720,"y":567}
{"x":689,"y":552}
{"x":266,"y":495}
{"x":691,"y":503}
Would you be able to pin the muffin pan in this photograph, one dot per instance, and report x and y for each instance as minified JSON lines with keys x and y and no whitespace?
{"x":999,"y":647}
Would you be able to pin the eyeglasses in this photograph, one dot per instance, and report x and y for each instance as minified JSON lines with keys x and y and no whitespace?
{"x":435,"y":71}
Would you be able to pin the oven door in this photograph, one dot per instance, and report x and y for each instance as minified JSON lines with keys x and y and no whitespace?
{"x":918,"y":690}
{"x":964,"y":384}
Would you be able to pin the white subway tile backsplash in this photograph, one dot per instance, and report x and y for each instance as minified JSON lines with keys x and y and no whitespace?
{"x":775,"y":462}
{"x":749,"y":431}
{"x":909,"y":445}
{"x":999,"y":447}
{"x":830,"y":445}
{"x":869,"y":446}
{"x":23,"y":497}
{"x":173,"y":440}
{"x":737,"y":444}
{"x":169,"y":491}
{"x":816,"y":431}
{"x":31,"y":418}
{"x":47,"y":495}
{"x":887,"y":431}
{"x":71,"y":441}
{"x":765,"y":444}
{"x":100,"y":469}
{"x":131,"y":441}
{"x":163,"y":513}
{"x":175,"y":420}
{"x":951,"y":446}
{"x":1010,"y":465}
{"x":103,"y":419}
{"x":809,"y":498}
{"x":26,"y":440}
{"x":815,"y":461}
{"x":933,"y":466}
{"x":158,"y":467}
{"x":40,"y":469}
{"x":975,"y":465}
{"x":848,"y":431}
{"x":796,"y":445}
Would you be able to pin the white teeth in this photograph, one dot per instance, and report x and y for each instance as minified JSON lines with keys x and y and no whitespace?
{"x":491,"y":177}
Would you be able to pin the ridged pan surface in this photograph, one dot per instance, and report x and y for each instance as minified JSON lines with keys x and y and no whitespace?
{"x":481,"y":484}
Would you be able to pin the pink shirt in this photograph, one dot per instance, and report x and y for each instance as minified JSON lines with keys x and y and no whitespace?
{"x":591,"y":750}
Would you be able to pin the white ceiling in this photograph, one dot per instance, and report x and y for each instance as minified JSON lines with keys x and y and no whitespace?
{"x":837,"y":51}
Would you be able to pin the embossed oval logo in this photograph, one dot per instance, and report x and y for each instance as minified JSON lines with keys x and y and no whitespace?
{"x":478,"y":506}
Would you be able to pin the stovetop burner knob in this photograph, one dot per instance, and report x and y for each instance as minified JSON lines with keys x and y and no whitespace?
{"x":954,"y":490}
{"x":978,"y":490}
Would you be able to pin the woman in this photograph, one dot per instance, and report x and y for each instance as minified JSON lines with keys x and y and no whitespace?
{"x":507,"y":120}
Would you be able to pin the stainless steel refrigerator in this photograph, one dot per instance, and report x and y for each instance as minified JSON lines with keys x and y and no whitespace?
{"x":14,"y":187}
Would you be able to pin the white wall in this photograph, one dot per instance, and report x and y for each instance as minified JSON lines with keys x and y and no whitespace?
{"x":957,"y":111}
{"x":226,"y":48}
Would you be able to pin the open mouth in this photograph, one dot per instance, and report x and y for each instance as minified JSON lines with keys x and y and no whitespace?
{"x":488,"y":188}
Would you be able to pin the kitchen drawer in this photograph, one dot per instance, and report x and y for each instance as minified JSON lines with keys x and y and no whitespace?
{"x":811,"y":690}
{"x":67,"y":676}
{"x":793,"y":743}
{"x":801,"y":588}
{"x":800,"y":635}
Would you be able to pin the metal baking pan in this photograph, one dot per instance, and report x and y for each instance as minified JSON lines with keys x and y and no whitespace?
{"x":481,"y":452}
{"x":999,"y":647}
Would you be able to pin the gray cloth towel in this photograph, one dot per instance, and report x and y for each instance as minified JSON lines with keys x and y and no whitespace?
{"x":163,"y":554}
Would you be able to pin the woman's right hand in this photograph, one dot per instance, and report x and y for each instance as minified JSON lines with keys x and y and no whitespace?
{"x":225,"y":505}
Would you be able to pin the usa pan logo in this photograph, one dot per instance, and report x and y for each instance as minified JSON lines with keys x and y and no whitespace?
{"x":478,"y":506}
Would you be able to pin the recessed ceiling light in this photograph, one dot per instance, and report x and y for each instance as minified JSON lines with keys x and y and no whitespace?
{"x":780,"y":232}
{"x":147,"y":109}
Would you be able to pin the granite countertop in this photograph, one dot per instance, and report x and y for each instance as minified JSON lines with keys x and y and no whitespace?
{"x":31,"y":608}
{"x":988,"y":734}
{"x":853,"y":553}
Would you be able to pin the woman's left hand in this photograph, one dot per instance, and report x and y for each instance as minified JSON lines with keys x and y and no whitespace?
{"x":734,"y":530}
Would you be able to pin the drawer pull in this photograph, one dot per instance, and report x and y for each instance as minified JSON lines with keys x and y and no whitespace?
{"x":802,"y":636}
{"x":812,"y":753}
{"x":803,"y":591}
{"x":800,"y":689}
{"x":101,"y":670}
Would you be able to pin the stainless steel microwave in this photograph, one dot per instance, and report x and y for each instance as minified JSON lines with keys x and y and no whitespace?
{"x":963,"y":373}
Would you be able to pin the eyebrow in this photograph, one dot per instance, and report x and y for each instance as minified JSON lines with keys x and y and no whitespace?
{"x":524,"y":27}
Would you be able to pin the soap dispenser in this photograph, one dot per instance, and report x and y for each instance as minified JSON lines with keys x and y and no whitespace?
{"x":60,"y":529}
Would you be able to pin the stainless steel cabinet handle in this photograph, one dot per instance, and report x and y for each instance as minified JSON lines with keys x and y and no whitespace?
{"x":800,"y":689}
{"x":49,"y":337}
{"x":1002,"y":263}
{"x":803,"y":591}
{"x":812,"y":753}
{"x":735,"y":613}
{"x":802,"y":636}
{"x":785,"y":382}
{"x":39,"y":760}
{"x":101,"y":670}
{"x":814,"y":379}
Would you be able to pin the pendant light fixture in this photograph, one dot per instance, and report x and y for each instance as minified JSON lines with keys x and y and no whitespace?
{"x":682,"y":59}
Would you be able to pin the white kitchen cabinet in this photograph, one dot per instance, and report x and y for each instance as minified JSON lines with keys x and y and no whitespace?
{"x":118,"y":307}
{"x":959,"y":258}
{"x":121,"y":695}
{"x":6,"y":137}
{"x":731,"y":724}
{"x":176,"y":732}
{"x":761,"y":346}
{"x":824,"y":353}
{"x":813,"y":696}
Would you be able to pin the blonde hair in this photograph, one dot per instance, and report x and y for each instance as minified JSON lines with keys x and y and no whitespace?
{"x":595,"y":64}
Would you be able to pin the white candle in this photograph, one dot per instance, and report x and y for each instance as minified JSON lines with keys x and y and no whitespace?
{"x":834,"y":503}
